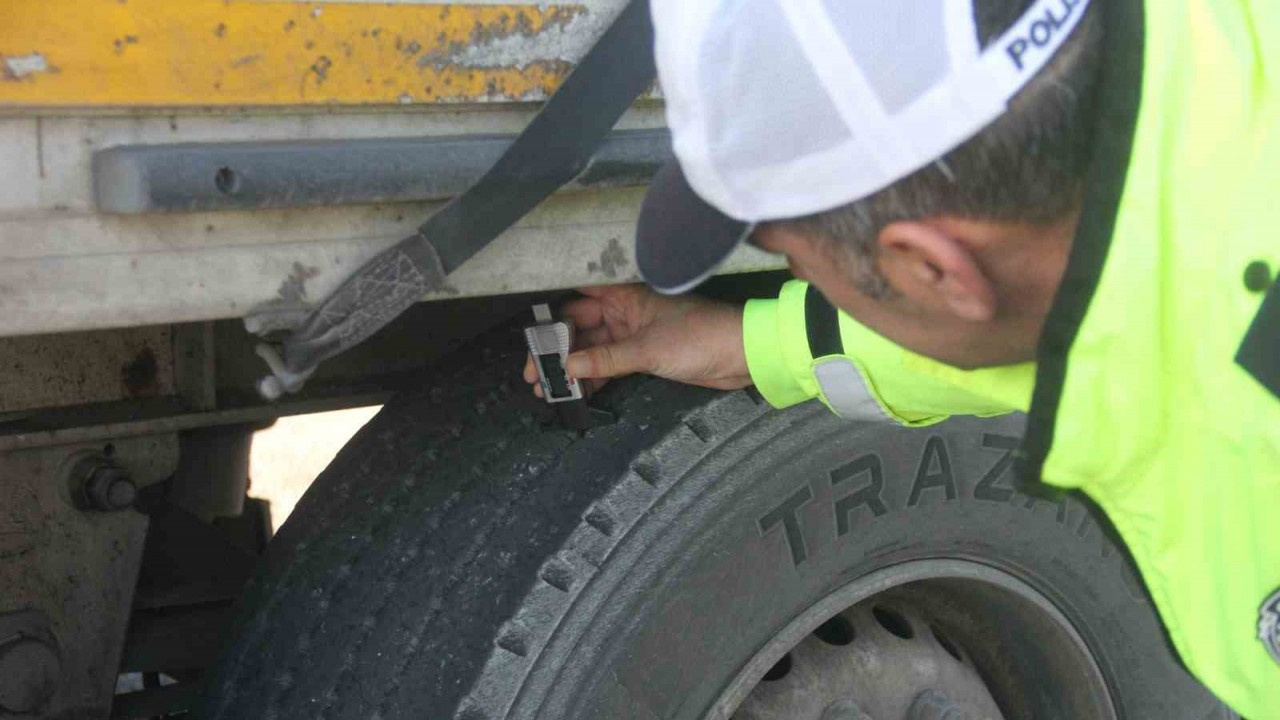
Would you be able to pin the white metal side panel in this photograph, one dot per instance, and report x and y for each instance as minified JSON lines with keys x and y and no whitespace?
{"x":64,"y":266}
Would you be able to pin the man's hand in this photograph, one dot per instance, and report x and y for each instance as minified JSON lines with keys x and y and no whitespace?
{"x":625,"y":329}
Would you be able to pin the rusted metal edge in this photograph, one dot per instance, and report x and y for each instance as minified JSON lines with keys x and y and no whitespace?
{"x":115,"y":422}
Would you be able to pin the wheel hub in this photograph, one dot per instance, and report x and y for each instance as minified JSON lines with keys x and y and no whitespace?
{"x":879,"y":660}
{"x":953,"y":640}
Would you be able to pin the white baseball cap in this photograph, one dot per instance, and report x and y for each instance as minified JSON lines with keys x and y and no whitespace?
{"x":784,"y":108}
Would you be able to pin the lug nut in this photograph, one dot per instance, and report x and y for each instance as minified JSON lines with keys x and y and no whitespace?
{"x":28,"y":674}
{"x":103,"y":485}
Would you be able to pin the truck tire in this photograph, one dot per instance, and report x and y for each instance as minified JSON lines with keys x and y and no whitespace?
{"x":700,"y":556}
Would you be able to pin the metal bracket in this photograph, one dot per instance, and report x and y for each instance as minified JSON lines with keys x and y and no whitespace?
{"x":192,"y":177}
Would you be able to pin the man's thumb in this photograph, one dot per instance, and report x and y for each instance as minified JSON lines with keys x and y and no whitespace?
{"x":604,"y":361}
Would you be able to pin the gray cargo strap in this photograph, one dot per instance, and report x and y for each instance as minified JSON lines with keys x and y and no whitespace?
{"x":553,"y":149}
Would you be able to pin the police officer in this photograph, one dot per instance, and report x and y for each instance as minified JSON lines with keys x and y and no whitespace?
{"x":1057,"y":207}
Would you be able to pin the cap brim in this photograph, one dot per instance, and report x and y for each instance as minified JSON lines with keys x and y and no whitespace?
{"x":680,"y":238}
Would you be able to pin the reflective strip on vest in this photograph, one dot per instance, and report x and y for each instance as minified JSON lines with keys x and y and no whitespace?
{"x":846,"y":391}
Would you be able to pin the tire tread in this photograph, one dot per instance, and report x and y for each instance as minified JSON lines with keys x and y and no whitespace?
{"x":458,"y":457}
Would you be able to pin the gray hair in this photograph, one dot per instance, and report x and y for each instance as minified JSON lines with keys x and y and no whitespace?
{"x":1027,"y":166}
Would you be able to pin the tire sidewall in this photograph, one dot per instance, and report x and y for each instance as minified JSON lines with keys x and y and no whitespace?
{"x":798,"y":503}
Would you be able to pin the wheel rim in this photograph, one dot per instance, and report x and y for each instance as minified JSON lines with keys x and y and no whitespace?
{"x":956,"y":633}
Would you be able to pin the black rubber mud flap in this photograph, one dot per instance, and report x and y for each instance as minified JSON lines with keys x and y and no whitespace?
{"x":463,"y":558}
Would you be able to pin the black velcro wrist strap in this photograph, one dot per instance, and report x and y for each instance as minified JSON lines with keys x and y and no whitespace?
{"x":822,"y":324}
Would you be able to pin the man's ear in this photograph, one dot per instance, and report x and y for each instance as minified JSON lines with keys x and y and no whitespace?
{"x":934,"y":268}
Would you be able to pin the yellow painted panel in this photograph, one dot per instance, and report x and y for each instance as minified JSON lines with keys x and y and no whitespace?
{"x":240,"y":52}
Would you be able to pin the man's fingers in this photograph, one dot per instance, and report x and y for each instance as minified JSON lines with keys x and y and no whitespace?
{"x":594,"y":337}
{"x":584,"y":312}
{"x":600,"y":356}
{"x":530,"y":372}
{"x":606,"y":361}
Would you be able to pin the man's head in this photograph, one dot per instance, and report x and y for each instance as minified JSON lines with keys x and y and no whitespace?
{"x":958,"y":259}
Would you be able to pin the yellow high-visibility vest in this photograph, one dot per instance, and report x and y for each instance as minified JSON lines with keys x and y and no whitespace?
{"x":1157,"y":385}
